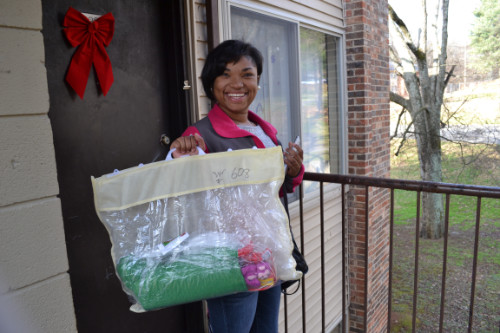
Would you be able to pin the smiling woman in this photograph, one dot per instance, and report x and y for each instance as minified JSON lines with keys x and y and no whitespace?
{"x":231,"y":79}
{"x":236,"y":88}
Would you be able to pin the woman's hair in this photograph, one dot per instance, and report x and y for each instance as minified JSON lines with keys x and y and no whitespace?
{"x":229,"y":51}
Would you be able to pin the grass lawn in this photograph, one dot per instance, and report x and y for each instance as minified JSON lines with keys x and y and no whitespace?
{"x":477,"y":165}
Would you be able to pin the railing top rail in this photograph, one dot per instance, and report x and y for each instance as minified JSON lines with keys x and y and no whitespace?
{"x":409,"y":185}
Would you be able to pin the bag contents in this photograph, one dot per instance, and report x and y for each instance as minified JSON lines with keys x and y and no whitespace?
{"x":199,"y":227}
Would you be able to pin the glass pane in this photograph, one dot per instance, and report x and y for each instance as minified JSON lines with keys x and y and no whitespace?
{"x":277,"y":41}
{"x":315,"y":111}
{"x":319,"y":97}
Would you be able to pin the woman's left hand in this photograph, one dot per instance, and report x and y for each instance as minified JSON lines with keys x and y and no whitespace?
{"x":293,"y":159}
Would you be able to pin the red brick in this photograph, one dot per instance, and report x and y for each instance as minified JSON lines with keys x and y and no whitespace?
{"x":369,"y":155}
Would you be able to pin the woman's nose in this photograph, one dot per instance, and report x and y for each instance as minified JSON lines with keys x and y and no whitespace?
{"x":236,"y":82}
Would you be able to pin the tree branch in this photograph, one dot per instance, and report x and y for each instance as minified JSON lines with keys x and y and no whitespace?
{"x":443,"y":51}
{"x":400,"y":100}
{"x":403,"y":139}
{"x":419,"y":54}
{"x":395,"y":56}
{"x":398,"y":122}
{"x":449,"y":75}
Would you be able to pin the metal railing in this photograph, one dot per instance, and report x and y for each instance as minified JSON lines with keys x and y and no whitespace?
{"x":393,"y":184}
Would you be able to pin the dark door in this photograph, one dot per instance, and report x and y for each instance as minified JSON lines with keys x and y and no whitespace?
{"x":100,"y":133}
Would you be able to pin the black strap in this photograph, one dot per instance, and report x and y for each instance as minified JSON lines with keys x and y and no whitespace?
{"x":285,"y":204}
{"x":285,"y":292}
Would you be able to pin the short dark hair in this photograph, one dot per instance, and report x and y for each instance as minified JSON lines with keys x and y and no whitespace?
{"x":229,"y":51}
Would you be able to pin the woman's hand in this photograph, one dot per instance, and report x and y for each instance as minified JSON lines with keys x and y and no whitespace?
{"x":293,"y":159}
{"x":187,"y":145}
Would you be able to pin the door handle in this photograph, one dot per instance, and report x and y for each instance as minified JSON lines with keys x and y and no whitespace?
{"x":164,"y":139}
{"x":186,"y":85}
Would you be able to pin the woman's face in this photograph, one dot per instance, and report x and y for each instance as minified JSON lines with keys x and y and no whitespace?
{"x":236,"y":88}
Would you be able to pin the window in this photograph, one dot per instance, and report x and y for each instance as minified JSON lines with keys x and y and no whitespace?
{"x":299,"y":91}
{"x":320,"y":104}
{"x":277,"y":41}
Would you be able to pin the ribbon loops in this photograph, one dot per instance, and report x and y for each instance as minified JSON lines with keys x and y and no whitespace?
{"x":91,"y":39}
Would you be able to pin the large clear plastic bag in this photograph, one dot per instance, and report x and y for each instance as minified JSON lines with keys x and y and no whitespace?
{"x":197,"y":227}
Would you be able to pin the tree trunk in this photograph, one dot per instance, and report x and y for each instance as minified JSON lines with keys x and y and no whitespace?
{"x":423,"y":68}
{"x":429,"y":152}
{"x":432,"y":223}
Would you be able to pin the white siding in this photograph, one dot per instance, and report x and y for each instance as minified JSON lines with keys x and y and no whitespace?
{"x":35,"y":293}
{"x":198,"y":27}
{"x":317,"y":10}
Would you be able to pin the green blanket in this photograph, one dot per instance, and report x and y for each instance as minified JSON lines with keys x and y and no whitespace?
{"x":182,"y":278}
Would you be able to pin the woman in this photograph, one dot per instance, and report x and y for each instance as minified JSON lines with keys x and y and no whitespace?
{"x":231,"y":78}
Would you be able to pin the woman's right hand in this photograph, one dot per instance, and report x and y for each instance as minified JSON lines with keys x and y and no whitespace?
{"x":187,"y":145}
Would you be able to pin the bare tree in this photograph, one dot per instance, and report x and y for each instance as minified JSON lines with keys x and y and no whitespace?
{"x":422,"y":65}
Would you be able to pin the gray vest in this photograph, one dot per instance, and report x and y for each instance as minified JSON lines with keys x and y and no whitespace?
{"x":216,"y":143}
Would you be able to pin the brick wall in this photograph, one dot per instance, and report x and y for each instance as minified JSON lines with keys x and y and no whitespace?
{"x":367,"y":41}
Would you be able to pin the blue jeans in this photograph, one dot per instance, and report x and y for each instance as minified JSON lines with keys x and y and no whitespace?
{"x":248,"y":312}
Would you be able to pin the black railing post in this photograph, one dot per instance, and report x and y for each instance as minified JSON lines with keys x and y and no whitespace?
{"x":391,"y":242}
{"x":445,"y":261}
{"x":322,"y":237}
{"x":415,"y":274}
{"x":285,"y":311}
{"x":474,"y":265}
{"x":301,"y":209}
{"x":344,"y":282}
{"x":366,"y":258}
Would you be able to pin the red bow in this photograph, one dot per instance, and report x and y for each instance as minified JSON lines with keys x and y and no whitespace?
{"x":92,"y":38}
